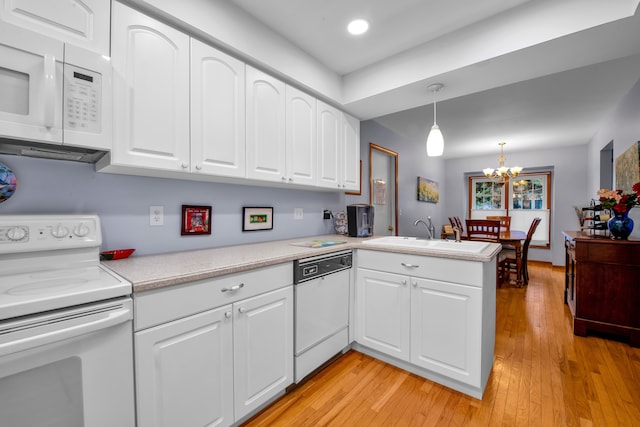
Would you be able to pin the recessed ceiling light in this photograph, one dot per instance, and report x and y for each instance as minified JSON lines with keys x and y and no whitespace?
{"x":358,"y":26}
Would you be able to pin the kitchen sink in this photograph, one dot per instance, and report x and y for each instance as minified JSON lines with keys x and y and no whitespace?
{"x":436,"y":245}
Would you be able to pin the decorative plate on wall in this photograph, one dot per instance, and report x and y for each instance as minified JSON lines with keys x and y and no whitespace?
{"x":8,"y":182}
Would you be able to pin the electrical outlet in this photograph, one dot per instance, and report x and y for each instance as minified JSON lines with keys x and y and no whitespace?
{"x":156,"y":215}
{"x":298,"y":213}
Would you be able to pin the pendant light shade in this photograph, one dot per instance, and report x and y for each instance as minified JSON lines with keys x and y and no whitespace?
{"x":435,"y":140}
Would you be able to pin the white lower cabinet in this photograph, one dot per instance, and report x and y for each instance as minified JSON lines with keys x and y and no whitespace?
{"x":262,"y":348}
{"x":216,"y":366}
{"x":410,"y":308}
{"x":184,"y":371}
{"x":446,"y":328}
{"x":384,"y":318}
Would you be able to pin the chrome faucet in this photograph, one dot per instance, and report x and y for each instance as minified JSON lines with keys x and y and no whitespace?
{"x":456,"y":234}
{"x":431,"y":230}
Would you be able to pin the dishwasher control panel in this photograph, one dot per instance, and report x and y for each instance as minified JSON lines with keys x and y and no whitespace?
{"x":310,"y":268}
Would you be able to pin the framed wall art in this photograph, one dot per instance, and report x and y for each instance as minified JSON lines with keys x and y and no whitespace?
{"x":628,"y":168}
{"x":8,"y":183}
{"x":254,"y":219}
{"x":196,"y":220}
{"x":428,"y":190}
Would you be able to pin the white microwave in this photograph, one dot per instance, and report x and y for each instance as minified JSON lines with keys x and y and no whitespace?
{"x":52,"y":92}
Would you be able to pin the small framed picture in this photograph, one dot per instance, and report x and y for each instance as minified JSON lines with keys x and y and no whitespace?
{"x":254,"y":219}
{"x":196,"y":220}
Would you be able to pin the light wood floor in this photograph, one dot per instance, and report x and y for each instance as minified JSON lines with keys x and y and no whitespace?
{"x":542,"y":375}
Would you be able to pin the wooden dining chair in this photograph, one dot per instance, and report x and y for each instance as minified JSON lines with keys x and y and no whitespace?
{"x":485,"y":230}
{"x":507,"y":262}
{"x":505,"y":221}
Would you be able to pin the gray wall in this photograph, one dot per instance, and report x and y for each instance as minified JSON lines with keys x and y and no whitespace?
{"x":568,"y":188}
{"x":123,"y":205}
{"x":412,"y":163}
{"x":623,"y":128}
{"x":576,"y":174}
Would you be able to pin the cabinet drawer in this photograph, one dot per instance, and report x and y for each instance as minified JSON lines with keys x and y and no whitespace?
{"x":166,"y":304}
{"x":445,"y":269}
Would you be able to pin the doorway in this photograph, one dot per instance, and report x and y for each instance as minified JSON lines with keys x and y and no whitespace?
{"x":383,"y":189}
{"x":606,"y":166}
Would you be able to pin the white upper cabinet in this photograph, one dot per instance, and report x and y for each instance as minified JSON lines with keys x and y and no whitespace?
{"x":217,"y":112}
{"x":266,"y":159}
{"x":151,"y":92}
{"x":301,"y":137}
{"x":330,"y":143}
{"x":82,"y":23}
{"x":338,"y":149}
{"x":351,"y":153}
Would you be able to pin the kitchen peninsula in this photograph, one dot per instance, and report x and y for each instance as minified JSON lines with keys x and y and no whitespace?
{"x":428,"y":311}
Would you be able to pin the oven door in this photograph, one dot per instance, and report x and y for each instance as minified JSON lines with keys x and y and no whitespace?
{"x":68,"y":368}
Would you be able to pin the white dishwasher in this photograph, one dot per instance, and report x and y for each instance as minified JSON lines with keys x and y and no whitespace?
{"x":321,"y":309}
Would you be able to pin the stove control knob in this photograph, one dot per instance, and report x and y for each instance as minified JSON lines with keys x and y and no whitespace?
{"x":16,"y":233}
{"x":81,"y":230}
{"x":59,"y":231}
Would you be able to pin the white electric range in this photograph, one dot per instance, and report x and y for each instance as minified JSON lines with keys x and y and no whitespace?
{"x":66,"y":355}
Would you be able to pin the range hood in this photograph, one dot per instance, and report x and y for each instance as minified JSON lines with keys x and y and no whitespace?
{"x":49,"y":151}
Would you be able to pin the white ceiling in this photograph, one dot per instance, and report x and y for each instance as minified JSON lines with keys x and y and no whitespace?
{"x":536,"y":74}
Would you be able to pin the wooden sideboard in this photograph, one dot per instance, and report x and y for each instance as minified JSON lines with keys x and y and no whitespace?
{"x":602,"y":285}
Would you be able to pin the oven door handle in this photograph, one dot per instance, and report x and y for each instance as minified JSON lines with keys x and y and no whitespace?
{"x":24,"y":337}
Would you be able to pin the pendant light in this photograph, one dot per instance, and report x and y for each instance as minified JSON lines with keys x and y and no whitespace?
{"x":435,"y":140}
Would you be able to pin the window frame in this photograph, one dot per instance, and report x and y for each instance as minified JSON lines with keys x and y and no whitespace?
{"x":508,"y":193}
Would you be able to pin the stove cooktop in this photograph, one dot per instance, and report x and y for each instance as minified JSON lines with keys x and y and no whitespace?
{"x":49,"y":262}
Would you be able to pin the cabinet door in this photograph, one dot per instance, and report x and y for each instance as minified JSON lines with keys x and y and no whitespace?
{"x":82,"y":23}
{"x":266,"y":157}
{"x":263,"y":348}
{"x":184,"y":371}
{"x":351,"y":153}
{"x":382,"y":312}
{"x":217,"y":112}
{"x":446,"y":329}
{"x":151,"y":92}
{"x":301,"y":137}
{"x":330,"y":143}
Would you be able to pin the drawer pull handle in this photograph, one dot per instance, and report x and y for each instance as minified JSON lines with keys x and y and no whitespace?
{"x":233,"y":288}
{"x":404,"y":264}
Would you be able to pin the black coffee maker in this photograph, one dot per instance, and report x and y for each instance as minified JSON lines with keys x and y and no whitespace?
{"x":360,"y":220}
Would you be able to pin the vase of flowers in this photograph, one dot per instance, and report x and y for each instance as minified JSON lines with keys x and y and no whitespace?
{"x":620,"y":225}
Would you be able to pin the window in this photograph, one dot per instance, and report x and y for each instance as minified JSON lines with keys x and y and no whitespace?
{"x":528,"y":197}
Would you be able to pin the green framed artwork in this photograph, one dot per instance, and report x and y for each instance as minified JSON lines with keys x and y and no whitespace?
{"x":628,"y":168}
{"x":428,"y":190}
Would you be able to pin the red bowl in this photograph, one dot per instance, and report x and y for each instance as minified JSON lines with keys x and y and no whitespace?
{"x":116,"y":254}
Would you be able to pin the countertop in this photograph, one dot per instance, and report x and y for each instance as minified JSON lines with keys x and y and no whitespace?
{"x":156,"y":271}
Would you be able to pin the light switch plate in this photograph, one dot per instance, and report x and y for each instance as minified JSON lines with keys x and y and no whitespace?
{"x":298,"y":213}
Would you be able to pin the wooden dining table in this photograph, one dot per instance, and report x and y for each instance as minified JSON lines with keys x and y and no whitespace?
{"x":515,"y":238}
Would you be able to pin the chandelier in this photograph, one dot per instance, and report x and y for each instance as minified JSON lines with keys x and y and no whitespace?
{"x":503,"y":173}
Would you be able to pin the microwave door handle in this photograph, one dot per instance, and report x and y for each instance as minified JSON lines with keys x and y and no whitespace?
{"x":49,"y":90}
